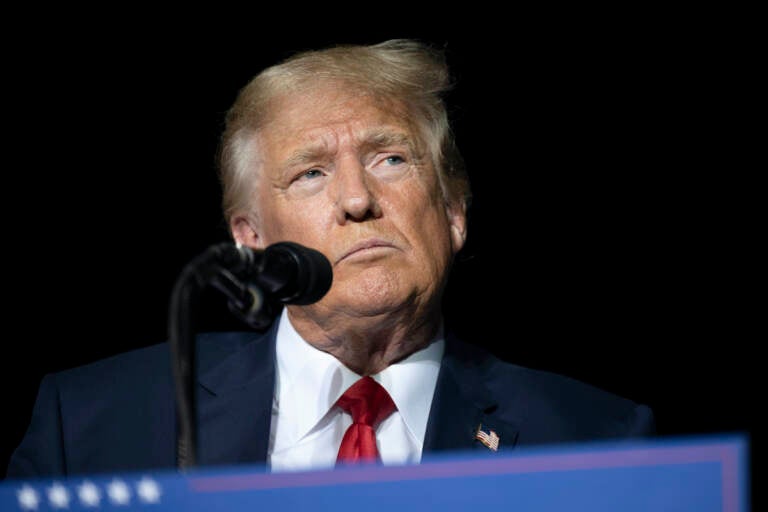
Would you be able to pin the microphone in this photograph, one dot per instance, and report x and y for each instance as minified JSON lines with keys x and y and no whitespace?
{"x":256,"y":280}
{"x":253,"y":280}
{"x":286,"y":272}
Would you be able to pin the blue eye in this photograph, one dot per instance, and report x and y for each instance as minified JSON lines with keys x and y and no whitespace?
{"x":395,"y":160}
{"x":312,"y":173}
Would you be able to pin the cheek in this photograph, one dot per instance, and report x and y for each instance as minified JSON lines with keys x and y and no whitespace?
{"x":291,"y":228}
{"x":438,"y":243}
{"x":430,"y":234}
{"x":303,"y":222}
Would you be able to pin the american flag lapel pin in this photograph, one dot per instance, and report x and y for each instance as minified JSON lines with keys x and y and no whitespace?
{"x":489,"y":438}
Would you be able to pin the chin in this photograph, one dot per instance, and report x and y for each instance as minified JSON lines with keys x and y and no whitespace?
{"x":370,"y":294}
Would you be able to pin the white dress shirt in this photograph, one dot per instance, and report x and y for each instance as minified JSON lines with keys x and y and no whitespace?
{"x":307,"y":427}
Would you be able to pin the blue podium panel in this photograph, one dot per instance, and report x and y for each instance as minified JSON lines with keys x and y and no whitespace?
{"x":694,"y":474}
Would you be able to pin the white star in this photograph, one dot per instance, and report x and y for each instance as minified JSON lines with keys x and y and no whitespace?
{"x":89,"y":494}
{"x":118,"y":492}
{"x":28,"y":498}
{"x":148,"y":490}
{"x":58,"y":496}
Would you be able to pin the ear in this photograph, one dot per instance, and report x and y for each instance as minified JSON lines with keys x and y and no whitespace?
{"x":245,"y":231}
{"x":457,"y":219}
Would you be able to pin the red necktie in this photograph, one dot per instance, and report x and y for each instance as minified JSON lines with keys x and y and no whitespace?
{"x":369,"y":404}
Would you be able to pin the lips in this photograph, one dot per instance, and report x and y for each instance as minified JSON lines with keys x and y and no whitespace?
{"x":364,"y":245}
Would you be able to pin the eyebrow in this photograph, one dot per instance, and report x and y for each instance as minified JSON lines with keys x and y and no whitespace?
{"x":380,"y":138}
{"x":373,"y":139}
{"x":306,"y":154}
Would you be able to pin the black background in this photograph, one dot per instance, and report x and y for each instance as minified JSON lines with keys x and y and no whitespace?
{"x":612,"y":236}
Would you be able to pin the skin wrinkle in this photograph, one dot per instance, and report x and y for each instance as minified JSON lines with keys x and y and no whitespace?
{"x":385,"y":301}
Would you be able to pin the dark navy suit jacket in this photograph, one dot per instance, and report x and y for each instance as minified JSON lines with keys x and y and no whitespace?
{"x":118,"y":414}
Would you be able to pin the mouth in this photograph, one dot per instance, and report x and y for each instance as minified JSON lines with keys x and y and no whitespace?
{"x":369,"y":248}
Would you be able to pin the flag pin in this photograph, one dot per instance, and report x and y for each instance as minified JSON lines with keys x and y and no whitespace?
{"x":489,"y":438}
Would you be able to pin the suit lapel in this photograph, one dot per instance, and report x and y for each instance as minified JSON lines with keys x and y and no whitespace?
{"x":235,"y":404}
{"x":463,"y":403}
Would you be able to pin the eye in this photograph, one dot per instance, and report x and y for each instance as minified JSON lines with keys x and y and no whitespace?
{"x":390,"y":160}
{"x":390,"y":165}
{"x":310,"y":174}
{"x":394,"y":160}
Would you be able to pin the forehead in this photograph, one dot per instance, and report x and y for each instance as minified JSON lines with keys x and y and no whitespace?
{"x":332,"y":115}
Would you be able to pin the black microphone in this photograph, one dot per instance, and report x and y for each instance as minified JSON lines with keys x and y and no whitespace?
{"x":256,"y":281}
{"x":286,"y":272}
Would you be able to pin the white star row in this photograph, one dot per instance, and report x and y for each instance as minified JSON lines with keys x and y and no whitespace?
{"x":90,"y":495}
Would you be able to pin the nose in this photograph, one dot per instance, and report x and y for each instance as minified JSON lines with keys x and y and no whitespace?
{"x":355,"y":192}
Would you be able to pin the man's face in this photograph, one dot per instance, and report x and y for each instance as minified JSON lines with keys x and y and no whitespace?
{"x":342,"y":174}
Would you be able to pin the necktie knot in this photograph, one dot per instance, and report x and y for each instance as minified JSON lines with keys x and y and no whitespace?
{"x":369,"y":404}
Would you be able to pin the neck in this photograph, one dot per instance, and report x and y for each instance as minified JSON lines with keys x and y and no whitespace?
{"x":366,"y":345}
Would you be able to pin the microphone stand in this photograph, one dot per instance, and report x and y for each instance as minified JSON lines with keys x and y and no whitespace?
{"x":210,"y":267}
{"x":286,"y":272}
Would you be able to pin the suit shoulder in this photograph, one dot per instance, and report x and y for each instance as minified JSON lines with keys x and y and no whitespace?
{"x":155,"y":360}
{"x":555,"y":405}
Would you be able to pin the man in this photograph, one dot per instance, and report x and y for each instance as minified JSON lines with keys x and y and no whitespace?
{"x":348,"y":151}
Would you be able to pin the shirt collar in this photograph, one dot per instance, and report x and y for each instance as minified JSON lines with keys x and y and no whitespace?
{"x":310,"y":381}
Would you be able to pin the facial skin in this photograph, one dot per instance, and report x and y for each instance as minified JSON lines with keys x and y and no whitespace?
{"x":345,"y":175}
